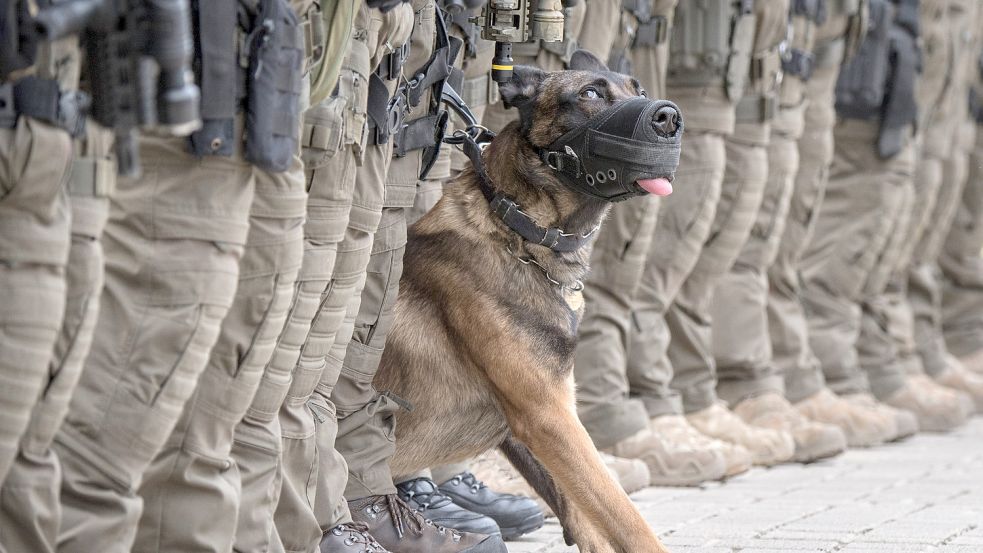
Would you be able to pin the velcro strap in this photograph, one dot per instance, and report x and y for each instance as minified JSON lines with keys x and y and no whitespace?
{"x":799,"y":63}
{"x":319,"y":136}
{"x":757,"y":108}
{"x":92,"y":177}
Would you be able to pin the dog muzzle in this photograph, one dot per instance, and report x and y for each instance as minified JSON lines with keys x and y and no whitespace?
{"x":630,"y":149}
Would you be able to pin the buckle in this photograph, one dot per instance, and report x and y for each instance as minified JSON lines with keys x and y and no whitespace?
{"x":799,"y":63}
{"x":72,"y":109}
{"x":8,"y":112}
{"x":392,"y":64}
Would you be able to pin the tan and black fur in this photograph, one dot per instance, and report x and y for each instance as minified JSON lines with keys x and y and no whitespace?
{"x":482,"y":345}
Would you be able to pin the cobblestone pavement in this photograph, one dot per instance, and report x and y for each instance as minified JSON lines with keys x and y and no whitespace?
{"x":921,"y":495}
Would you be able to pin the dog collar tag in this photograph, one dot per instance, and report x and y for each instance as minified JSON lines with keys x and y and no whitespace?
{"x":574,"y":299}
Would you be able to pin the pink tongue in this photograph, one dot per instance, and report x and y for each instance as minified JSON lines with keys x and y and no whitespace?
{"x":659,"y":187}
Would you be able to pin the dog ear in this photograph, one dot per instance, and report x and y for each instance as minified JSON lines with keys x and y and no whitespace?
{"x":522,"y":87}
{"x":582,"y":60}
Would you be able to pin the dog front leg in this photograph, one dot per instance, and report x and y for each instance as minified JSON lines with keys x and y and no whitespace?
{"x":550,"y":428}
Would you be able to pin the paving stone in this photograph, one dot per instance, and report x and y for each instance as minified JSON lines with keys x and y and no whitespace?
{"x":922,"y":495}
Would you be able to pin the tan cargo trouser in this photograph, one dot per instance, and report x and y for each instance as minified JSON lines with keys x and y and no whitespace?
{"x":192,"y":490}
{"x":617,"y":264}
{"x":962,"y":265}
{"x":925,"y":278}
{"x":853,"y":250}
{"x":30,"y":513}
{"x":683,"y":226}
{"x":740,"y":333}
{"x":365,"y":431}
{"x":277,"y":439}
{"x":34,"y":248}
{"x":689,"y":317}
{"x":787,"y":325}
{"x":172,"y":246}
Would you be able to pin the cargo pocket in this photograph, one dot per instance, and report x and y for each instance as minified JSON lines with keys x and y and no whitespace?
{"x":689,"y":201}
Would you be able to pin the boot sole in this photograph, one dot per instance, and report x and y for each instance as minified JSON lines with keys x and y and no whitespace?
{"x":531,"y":524}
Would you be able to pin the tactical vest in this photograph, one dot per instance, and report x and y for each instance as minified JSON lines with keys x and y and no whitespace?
{"x":711,"y":45}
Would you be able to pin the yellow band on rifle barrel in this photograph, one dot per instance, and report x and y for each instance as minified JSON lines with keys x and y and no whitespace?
{"x":502,"y":67}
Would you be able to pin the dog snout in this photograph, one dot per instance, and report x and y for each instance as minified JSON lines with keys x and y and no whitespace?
{"x":666,"y":120}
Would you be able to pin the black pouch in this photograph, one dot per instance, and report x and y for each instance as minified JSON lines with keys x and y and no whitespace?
{"x":862,"y":84}
{"x":273,"y":86}
{"x":18,"y":45}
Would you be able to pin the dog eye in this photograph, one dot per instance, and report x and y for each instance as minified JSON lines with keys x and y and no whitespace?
{"x":590,"y":94}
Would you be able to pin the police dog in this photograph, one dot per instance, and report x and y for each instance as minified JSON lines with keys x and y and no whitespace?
{"x":486,"y":323}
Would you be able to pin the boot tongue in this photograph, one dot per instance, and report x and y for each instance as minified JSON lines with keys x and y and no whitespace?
{"x":659,"y":186}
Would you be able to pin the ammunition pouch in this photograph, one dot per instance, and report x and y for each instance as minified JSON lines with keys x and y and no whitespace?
{"x":652,"y":29}
{"x":901,"y":107}
{"x":220,"y":76}
{"x":41,"y":99}
{"x":756,"y":108}
{"x":276,"y":66}
{"x":712,"y":45}
{"x":863,"y":81}
{"x":315,"y":37}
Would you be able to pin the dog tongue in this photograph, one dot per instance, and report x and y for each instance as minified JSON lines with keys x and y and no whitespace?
{"x":659,"y":187}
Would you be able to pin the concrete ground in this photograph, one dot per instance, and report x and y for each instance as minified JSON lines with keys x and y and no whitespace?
{"x":921,"y":495}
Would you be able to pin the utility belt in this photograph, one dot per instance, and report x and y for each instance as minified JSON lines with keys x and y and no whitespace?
{"x":42,"y":99}
{"x":261,"y":74}
{"x":712,"y":45}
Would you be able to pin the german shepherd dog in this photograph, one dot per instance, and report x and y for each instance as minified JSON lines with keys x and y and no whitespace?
{"x":486,"y":323}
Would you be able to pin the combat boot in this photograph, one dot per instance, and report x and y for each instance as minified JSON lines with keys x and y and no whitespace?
{"x":905,"y":422}
{"x":514,"y":514}
{"x":973,"y":361}
{"x":631,"y":474}
{"x":767,"y":447}
{"x":813,"y":440}
{"x":939,"y":409}
{"x":674,"y":453}
{"x":399,"y":528}
{"x":957,"y":377}
{"x":494,"y":469}
{"x":423,"y":496}
{"x":350,"y":538}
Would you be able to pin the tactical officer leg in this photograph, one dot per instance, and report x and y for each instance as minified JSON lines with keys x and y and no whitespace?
{"x":689,"y":317}
{"x":851,"y":236}
{"x":962,"y":290}
{"x":741,"y":344}
{"x":192,"y":490}
{"x":34,"y":248}
{"x":30,"y":513}
{"x":172,"y":246}
{"x":682,"y":227}
{"x":600,"y":358}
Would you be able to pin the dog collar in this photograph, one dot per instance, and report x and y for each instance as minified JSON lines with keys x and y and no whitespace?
{"x":508,"y":211}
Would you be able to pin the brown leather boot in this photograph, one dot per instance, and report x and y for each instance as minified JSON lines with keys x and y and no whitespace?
{"x":397,"y":527}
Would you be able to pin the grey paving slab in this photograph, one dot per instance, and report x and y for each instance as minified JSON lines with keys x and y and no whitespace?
{"x":924,"y":495}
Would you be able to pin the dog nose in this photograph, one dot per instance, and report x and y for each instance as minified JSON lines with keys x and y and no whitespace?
{"x":666,"y":120}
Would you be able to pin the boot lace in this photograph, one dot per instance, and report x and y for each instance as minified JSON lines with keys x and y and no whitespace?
{"x":358,"y":534}
{"x":404,"y":517}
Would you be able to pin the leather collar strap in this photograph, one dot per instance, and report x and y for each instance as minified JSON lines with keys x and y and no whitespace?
{"x":508,"y":211}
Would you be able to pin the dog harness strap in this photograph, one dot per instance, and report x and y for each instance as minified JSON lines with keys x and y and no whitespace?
{"x":509,"y":212}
